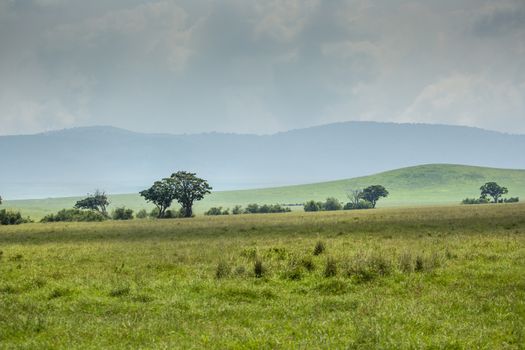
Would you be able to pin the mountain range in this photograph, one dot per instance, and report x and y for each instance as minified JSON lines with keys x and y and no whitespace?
{"x":76,"y":161}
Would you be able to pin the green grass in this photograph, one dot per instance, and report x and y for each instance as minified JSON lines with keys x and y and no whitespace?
{"x":421,"y":185}
{"x":392,"y":278}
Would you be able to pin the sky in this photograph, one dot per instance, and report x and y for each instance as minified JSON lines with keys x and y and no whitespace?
{"x":260,"y":66}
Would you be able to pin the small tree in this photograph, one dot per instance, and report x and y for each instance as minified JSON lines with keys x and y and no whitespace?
{"x":161,"y":194}
{"x":188,"y":189}
{"x":494,"y":190}
{"x":332,"y":204}
{"x":97,"y":201}
{"x":373,"y":193}
{"x":312,"y":206}
{"x":355,"y":196}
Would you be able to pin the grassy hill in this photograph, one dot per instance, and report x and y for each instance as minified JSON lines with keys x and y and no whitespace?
{"x":420,"y":185}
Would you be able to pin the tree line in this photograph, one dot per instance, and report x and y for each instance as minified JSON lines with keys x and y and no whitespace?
{"x":491,"y":189}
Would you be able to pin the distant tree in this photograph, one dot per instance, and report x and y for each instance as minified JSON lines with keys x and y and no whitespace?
{"x":188,"y":189}
{"x":373,"y":193}
{"x":237,"y":210}
{"x":217,"y":211}
{"x":97,"y":201}
{"x":122,"y":214}
{"x":0,"y":200}
{"x":494,"y":190}
{"x":332,"y":204}
{"x":312,"y":206}
{"x":142,"y":214}
{"x":355,"y":196}
{"x":161,"y":194}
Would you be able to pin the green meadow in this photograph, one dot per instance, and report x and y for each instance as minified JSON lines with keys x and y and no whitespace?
{"x":437,"y":184}
{"x":440,"y":277}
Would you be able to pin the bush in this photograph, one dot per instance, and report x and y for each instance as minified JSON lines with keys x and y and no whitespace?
{"x":258,"y":268}
{"x":475,"y":201}
{"x":71,"y":215}
{"x":12,"y":218}
{"x":122,"y":214}
{"x":237,"y":210}
{"x":223,"y":270}
{"x":142,"y":214}
{"x":251,"y":209}
{"x":361,"y":205}
{"x":330,"y":269}
{"x":319,"y":248}
{"x":168,"y":214}
{"x":264,"y":209}
{"x":312,"y":206}
{"x":217,"y":211}
{"x":332,"y":204}
{"x":511,"y":200}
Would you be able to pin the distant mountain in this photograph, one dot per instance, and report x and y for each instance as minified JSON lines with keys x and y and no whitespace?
{"x":76,"y":161}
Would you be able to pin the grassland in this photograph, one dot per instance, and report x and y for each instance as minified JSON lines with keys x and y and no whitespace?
{"x":422,"y":185}
{"x":394,"y":278}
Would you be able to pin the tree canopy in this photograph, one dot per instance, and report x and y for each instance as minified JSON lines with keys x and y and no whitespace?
{"x":97,"y":201}
{"x":161,"y":194}
{"x":188,"y":188}
{"x":373,"y":193}
{"x":182,"y":186}
{"x":494,"y":190}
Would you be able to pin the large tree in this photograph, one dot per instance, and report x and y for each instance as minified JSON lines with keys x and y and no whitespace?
{"x":97,"y":201}
{"x":161,"y":194}
{"x":373,"y":193}
{"x":188,"y":189}
{"x":494,"y":190}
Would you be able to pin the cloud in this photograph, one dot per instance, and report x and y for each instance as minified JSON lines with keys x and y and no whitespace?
{"x":468,"y":100}
{"x":260,"y":66}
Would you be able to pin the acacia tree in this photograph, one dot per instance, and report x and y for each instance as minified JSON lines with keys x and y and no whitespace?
{"x":97,"y":201}
{"x":161,"y":194}
{"x":374,"y":193}
{"x":188,"y":188}
{"x":494,"y":190}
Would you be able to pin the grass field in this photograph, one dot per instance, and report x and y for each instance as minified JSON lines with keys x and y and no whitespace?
{"x":422,"y":185}
{"x":394,"y":278}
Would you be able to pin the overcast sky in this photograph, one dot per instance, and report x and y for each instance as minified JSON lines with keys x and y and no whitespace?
{"x":260,"y":66}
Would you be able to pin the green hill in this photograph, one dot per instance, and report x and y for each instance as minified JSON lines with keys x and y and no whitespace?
{"x":420,"y":185}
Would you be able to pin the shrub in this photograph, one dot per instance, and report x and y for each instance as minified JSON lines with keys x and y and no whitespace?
{"x":254,"y":208}
{"x":294,"y":271}
{"x":481,"y":200}
{"x":223,"y":270}
{"x":71,"y":215}
{"x":308,"y":263}
{"x":8,"y":217}
{"x":332,"y":204}
{"x":330,"y":269}
{"x":362,"y":204}
{"x":511,"y":200}
{"x":237,"y":210}
{"x":258,"y":268}
{"x":217,"y":211}
{"x":122,"y":214}
{"x":142,"y":214}
{"x":319,"y":248}
{"x":419,"y":264}
{"x":312,"y":206}
{"x":405,"y":262}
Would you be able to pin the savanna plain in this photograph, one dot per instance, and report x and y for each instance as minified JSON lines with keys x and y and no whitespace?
{"x":447,"y":277}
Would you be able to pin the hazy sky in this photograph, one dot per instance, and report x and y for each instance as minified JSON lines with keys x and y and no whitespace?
{"x":260,"y":66}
